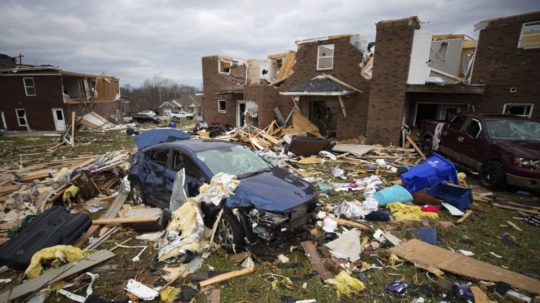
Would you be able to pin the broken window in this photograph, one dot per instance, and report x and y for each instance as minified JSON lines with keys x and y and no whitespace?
{"x":158,"y":156}
{"x":224,"y":66}
{"x":29,"y":86}
{"x":530,"y":35}
{"x":474,"y":128}
{"x":325,"y":57}
{"x":222,"y":106}
{"x":21,"y":116}
{"x":456,"y":123}
{"x":518,"y":109}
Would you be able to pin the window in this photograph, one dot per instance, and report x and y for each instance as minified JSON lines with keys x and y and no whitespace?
{"x":518,"y":109}
{"x":325,"y":57}
{"x":158,"y":156}
{"x":29,"y":86}
{"x":530,"y":35}
{"x":181,"y":161}
{"x":474,"y":128}
{"x":456,"y":123}
{"x":21,"y":116}
{"x":221,"y":106}
{"x":224,"y":67}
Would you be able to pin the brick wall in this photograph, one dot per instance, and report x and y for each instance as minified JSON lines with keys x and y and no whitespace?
{"x":266,"y":97}
{"x":388,"y":85}
{"x":214,"y":82}
{"x":346,"y":68}
{"x":501,"y":65}
{"x":38,"y":108}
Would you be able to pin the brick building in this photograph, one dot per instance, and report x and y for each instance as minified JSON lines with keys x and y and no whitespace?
{"x":348,"y":91}
{"x":43,"y":97}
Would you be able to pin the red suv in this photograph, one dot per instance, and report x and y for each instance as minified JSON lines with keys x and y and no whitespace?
{"x":505,"y":149}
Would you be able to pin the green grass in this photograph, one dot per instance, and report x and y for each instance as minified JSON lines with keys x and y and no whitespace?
{"x":483,"y":232}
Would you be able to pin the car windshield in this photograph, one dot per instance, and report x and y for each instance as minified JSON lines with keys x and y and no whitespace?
{"x":235,"y":160}
{"x":516,"y":130}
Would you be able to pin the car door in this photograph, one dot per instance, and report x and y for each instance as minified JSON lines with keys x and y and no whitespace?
{"x":472,"y":143}
{"x":450,"y":136}
{"x":155,"y":180}
{"x":194,"y":175}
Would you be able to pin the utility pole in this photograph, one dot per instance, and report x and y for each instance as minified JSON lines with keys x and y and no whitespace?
{"x":20,"y":56}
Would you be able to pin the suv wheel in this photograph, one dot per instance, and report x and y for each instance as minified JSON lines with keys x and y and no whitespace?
{"x":492,"y":175}
{"x":137,"y":193}
{"x":230,"y":233}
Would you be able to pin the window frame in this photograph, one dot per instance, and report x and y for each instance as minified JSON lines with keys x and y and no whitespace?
{"x":452,"y":121}
{"x":479,"y":130}
{"x":531,"y":105}
{"x":17,"y":116}
{"x":319,"y":57}
{"x":222,"y":111}
{"x":523,"y":26}
{"x":219,"y":66}
{"x":150,"y":156}
{"x":26,"y":87}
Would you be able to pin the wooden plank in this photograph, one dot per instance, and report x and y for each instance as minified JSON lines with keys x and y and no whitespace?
{"x":514,"y":226}
{"x":55,"y":274}
{"x":351,"y":224}
{"x":529,"y":211}
{"x":417,"y":251}
{"x":465,"y":216}
{"x":111,"y":213}
{"x":128,"y":220}
{"x":227,"y":276}
{"x":416,"y":148}
{"x":8,"y":189}
{"x":316,"y":261}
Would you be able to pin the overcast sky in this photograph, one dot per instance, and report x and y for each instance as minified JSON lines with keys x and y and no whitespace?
{"x":135,"y":40}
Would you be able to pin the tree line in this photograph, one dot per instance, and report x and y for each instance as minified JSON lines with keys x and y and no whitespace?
{"x":153,"y":92}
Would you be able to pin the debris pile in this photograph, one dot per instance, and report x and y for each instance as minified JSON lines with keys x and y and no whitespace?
{"x":380,"y":214}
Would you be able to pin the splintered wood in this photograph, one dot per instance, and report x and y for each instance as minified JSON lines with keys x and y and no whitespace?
{"x":258,"y":139}
{"x":428,"y":255}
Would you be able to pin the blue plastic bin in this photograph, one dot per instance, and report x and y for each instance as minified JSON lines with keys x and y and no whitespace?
{"x":436,"y":169}
{"x":458,"y":196}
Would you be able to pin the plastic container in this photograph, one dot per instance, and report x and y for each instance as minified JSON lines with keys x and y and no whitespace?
{"x":457,"y":196}
{"x":436,"y":169}
{"x":396,"y":193}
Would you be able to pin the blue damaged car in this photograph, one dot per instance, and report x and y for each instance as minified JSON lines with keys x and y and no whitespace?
{"x":268,"y":200}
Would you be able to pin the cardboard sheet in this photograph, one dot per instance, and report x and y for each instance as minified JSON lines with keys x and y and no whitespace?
{"x":425,"y":254}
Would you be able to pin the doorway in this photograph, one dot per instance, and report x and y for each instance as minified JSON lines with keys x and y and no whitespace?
{"x":324,"y":115}
{"x":240,"y":110}
{"x":59,"y":119}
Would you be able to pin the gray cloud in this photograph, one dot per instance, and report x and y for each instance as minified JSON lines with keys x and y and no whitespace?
{"x":135,"y":40}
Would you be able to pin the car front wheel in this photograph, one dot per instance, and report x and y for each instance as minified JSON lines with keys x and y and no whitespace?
{"x":492,"y":175}
{"x":230,"y":233}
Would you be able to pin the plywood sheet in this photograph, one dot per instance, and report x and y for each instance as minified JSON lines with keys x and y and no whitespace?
{"x":355,"y":149}
{"x":417,"y":251}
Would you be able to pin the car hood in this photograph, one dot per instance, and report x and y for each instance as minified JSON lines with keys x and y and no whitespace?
{"x":276,"y":191}
{"x":522,"y":149}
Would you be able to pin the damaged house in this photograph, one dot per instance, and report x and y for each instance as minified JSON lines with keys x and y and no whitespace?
{"x":322,"y":79}
{"x":42,"y":97}
{"x":349,"y":88}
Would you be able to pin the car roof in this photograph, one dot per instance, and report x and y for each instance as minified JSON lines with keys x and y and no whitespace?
{"x":197,"y":145}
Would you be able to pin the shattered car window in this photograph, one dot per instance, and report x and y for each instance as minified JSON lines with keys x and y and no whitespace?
{"x":513,"y":130}
{"x":235,"y":160}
